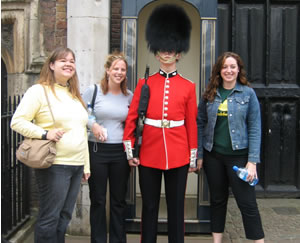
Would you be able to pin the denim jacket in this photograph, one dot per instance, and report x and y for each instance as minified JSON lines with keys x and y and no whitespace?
{"x":243,"y":118}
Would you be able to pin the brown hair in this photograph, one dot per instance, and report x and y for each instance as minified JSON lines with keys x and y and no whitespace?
{"x":216,"y":80}
{"x":47,"y":74}
{"x":109,"y":61}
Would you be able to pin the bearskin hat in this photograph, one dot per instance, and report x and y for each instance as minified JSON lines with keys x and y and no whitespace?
{"x":168,"y":29}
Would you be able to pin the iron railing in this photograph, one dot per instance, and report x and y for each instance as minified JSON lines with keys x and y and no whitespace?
{"x":15,"y":182}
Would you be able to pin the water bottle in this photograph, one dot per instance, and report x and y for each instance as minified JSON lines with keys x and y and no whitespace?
{"x":242,"y":173}
{"x":90,"y":112}
{"x":91,"y":115}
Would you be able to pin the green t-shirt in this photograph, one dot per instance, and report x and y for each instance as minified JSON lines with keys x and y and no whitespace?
{"x":222,"y":140}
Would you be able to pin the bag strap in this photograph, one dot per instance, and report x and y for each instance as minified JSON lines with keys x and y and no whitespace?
{"x":94,"y":96}
{"x":49,"y":104}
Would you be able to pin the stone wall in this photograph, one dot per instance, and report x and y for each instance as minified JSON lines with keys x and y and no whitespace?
{"x":30,"y":31}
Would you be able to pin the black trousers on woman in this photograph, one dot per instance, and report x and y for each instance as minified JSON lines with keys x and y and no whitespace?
{"x":175,"y":185}
{"x":108,"y":162}
{"x":220,"y":175}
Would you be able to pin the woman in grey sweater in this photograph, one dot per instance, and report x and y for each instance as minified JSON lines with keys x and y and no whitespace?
{"x":107,"y":157}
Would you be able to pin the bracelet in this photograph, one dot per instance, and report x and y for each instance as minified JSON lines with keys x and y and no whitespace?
{"x":253,"y":163}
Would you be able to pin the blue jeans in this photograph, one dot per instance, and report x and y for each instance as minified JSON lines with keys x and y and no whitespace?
{"x":58,"y":189}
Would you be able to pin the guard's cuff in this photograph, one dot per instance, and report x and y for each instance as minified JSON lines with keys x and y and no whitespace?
{"x":193,"y":158}
{"x":128,"y":149}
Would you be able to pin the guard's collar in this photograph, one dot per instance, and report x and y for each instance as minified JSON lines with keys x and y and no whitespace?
{"x":167,"y":75}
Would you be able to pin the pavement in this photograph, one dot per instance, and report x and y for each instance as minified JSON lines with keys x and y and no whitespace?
{"x":280,"y":218}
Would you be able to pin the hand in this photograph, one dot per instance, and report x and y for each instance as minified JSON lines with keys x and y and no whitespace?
{"x":191,"y":169}
{"x":134,"y":162}
{"x":55,"y":134}
{"x":98,"y":132}
{"x":199,"y":164}
{"x":86,"y":176}
{"x":252,"y":173}
{"x":198,"y":168}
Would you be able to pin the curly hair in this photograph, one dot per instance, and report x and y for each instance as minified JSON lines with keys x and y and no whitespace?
{"x":110,"y":61}
{"x":47,"y":74}
{"x":216,"y":80}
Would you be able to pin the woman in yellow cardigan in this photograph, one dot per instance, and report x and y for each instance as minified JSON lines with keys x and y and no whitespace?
{"x":58,"y":185}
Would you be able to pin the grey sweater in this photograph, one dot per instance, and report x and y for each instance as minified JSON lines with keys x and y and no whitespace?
{"x":110,"y":111}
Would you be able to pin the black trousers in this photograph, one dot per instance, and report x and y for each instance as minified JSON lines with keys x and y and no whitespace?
{"x":175,"y":186}
{"x":220,"y":176}
{"x":108,"y":163}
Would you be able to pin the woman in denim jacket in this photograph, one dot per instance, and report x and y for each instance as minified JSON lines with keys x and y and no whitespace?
{"x":229,"y":133}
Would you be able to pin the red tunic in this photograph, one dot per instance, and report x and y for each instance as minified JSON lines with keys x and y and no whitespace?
{"x":172,"y":98}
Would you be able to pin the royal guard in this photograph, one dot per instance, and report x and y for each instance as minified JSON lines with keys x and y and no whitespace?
{"x":169,"y":137}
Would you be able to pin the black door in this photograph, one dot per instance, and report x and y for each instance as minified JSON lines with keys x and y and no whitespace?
{"x":266,"y":34}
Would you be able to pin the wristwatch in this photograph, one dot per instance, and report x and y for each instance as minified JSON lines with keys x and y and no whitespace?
{"x":44,"y":135}
{"x":253,"y":163}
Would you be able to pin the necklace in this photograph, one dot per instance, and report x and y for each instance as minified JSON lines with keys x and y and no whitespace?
{"x":66,"y":85}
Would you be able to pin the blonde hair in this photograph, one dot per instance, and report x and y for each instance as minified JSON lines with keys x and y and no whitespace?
{"x":47,"y":74}
{"x":111,"y":58}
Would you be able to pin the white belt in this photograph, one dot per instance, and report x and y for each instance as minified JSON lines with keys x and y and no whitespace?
{"x":164,"y":123}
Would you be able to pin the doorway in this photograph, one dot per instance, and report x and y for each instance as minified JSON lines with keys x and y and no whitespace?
{"x":195,"y":65}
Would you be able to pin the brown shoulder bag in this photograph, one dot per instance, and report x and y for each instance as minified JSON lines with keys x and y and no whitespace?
{"x":37,"y":153}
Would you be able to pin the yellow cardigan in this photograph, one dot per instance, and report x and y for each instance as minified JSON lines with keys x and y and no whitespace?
{"x":70,"y":116}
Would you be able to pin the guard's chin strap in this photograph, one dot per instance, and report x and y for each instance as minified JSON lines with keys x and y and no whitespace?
{"x":169,"y":59}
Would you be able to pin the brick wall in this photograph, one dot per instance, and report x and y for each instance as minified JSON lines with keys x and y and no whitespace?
{"x":54,"y":19}
{"x":115,"y":25}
